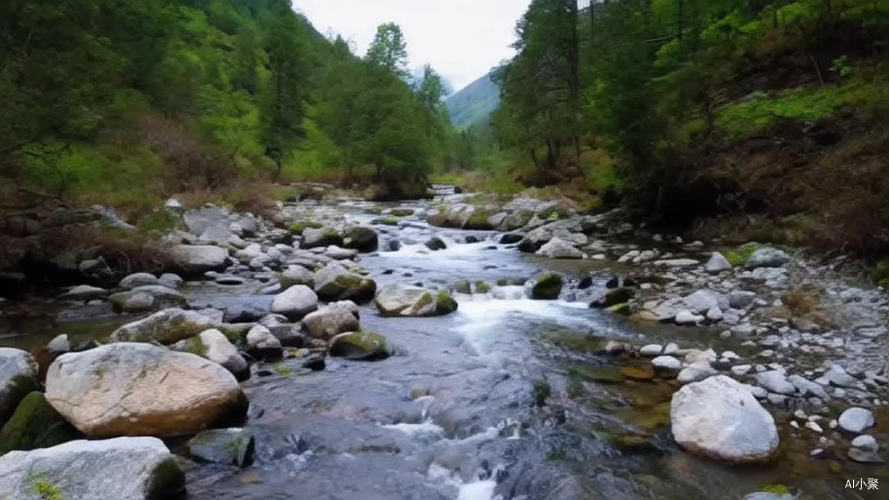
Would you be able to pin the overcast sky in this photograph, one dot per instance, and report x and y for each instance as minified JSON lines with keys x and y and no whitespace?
{"x":461,"y":39}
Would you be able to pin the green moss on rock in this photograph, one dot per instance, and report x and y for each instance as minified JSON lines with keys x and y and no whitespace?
{"x":300,"y":226}
{"x":479,"y":220}
{"x":547,"y":286}
{"x":35,"y":424}
{"x":359,"y":346}
{"x":482,"y":287}
{"x":445,"y":303}
{"x":462,"y":287}
{"x":167,"y":481}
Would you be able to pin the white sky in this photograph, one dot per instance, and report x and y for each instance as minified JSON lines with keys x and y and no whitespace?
{"x":461,"y":39}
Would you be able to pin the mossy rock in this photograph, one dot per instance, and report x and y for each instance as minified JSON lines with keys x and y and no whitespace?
{"x":365,"y":346}
{"x":17,"y":388}
{"x":482,"y":287}
{"x":167,"y":480}
{"x":463,"y":287}
{"x":739,"y":255}
{"x":300,"y":226}
{"x":518,"y":220}
{"x":622,"y":309}
{"x":618,"y":296}
{"x":445,"y":303}
{"x":389,"y":220}
{"x":401,"y":212}
{"x":35,"y":424}
{"x":548,"y":286}
{"x":479,"y":220}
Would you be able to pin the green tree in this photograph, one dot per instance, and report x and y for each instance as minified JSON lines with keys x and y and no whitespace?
{"x":388,"y":51}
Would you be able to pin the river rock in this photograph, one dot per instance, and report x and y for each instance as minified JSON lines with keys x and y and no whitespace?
{"x":138,"y":279}
{"x":435,"y":243}
{"x":696,"y":371}
{"x":721,"y":419}
{"x":261,"y":341}
{"x":194,"y":259}
{"x":547,"y":286}
{"x":856,"y":420}
{"x":296,"y":275}
{"x":35,"y":424}
{"x":766,"y":257}
{"x":84,"y":292}
{"x":334,"y":282}
{"x":295,"y":302}
{"x":330,"y":320}
{"x":686,"y":317}
{"x":701,"y":301}
{"x":558,"y":248}
{"x":132,"y":389}
{"x":359,"y":346}
{"x":401,"y":300}
{"x":59,"y":344}
{"x":233,"y":446}
{"x":321,"y":237}
{"x":510,"y":239}
{"x":18,"y":377}
{"x":125,"y":468}
{"x":717,"y":263}
{"x":216,"y":347}
{"x":807,"y":387}
{"x":864,"y":449}
{"x":165,"y":327}
{"x":667,"y":364}
{"x":361,"y":238}
{"x":775,"y":381}
{"x":145,"y":297}
{"x":739,"y":299}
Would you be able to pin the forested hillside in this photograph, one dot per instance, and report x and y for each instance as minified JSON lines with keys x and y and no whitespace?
{"x":774,"y":111}
{"x":124,"y":103}
{"x":474,"y":104}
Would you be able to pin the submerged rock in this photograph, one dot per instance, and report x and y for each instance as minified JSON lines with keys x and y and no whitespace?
{"x":359,"y":346}
{"x":721,"y":419}
{"x":401,"y":300}
{"x":18,"y":377}
{"x":125,"y":468}
{"x":232,"y":446}
{"x":165,"y":327}
{"x":132,"y":389}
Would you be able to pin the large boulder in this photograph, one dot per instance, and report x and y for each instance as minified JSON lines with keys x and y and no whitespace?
{"x":133,"y":389}
{"x":361,"y":238}
{"x":18,"y":377}
{"x":35,"y":424}
{"x":401,"y":300}
{"x":856,"y":420}
{"x":321,"y":237}
{"x":766,"y":257}
{"x":547,"y":286}
{"x":295,"y":302}
{"x":331,"y":320}
{"x":334,"y":282}
{"x":719,"y":418}
{"x":194,"y":259}
{"x":166,"y":327}
{"x":126,"y":468}
{"x":359,"y":346}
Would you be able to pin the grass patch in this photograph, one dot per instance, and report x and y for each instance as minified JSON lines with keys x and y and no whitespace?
{"x":45,"y":489}
{"x":738,"y":256}
{"x":761,"y":111}
{"x":542,"y":391}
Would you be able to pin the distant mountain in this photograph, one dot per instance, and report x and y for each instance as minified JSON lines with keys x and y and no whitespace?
{"x":474,"y":104}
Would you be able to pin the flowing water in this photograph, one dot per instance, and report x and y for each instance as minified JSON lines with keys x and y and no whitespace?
{"x":506,"y":398}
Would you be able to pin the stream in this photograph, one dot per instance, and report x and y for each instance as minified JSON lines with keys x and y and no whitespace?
{"x":506,"y":398}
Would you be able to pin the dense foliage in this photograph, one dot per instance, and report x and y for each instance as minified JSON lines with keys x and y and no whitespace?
{"x":697,"y":107}
{"x":128,"y":101}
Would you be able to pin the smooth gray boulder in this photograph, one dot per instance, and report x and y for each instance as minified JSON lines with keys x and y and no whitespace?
{"x":720,"y":418}
{"x":856,"y":420}
{"x":18,"y":377}
{"x":717,"y":263}
{"x":331,"y":320}
{"x":215,"y":346}
{"x":194,"y":259}
{"x":260,"y":341}
{"x":295,"y":302}
{"x":558,"y":248}
{"x":775,"y":381}
{"x":138,"y":279}
{"x":321,"y":237}
{"x":166,"y":327}
{"x":136,"y":389}
{"x":766,"y":257}
{"x":126,"y":468}
{"x":361,"y":238}
{"x":145,"y":297}
{"x":296,"y":275}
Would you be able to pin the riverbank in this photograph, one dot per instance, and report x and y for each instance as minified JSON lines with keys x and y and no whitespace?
{"x":554,"y":377}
